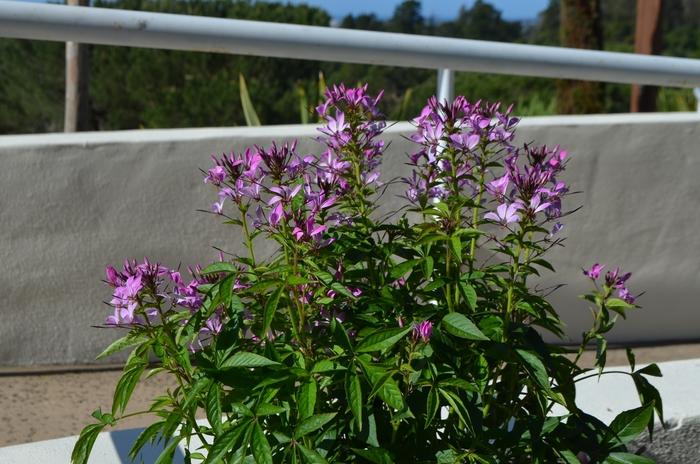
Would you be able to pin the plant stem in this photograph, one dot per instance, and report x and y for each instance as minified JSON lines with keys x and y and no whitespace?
{"x":246,"y":231}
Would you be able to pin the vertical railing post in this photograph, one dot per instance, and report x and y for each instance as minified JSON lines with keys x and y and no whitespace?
{"x":696,"y":92}
{"x":76,"y":115}
{"x":445,"y":85}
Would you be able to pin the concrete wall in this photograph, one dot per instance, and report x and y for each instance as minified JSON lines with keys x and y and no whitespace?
{"x":71,"y":204}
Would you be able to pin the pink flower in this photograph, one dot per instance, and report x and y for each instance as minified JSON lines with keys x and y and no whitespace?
{"x":594,"y":271}
{"x":422,"y":331}
{"x":505,"y":213}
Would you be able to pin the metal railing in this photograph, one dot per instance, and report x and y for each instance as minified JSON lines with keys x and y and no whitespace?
{"x":205,"y":34}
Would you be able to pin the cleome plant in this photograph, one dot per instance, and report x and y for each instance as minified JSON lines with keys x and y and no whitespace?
{"x":412,"y":338}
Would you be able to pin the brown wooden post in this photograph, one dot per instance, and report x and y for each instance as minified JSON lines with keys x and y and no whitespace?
{"x":647,"y":40}
{"x":581,"y":27}
{"x":77,"y":110}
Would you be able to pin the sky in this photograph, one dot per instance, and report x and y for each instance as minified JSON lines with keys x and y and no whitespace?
{"x":439,"y":9}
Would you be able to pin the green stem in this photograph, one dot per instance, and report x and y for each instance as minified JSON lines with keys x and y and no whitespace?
{"x":246,"y":231}
{"x":475,"y":219}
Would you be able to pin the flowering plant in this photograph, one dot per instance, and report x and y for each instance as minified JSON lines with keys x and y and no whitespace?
{"x":362,"y":335}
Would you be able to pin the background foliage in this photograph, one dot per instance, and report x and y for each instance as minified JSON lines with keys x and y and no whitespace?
{"x":139,"y":88}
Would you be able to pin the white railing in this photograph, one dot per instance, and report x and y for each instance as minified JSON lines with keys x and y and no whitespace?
{"x":196,"y":33}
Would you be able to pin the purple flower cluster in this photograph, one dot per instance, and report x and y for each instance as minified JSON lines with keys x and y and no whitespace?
{"x":284,"y":192}
{"x":614,"y":279}
{"x":453,"y":136}
{"x":145,"y":291}
{"x":422,"y":331}
{"x":533,"y":186}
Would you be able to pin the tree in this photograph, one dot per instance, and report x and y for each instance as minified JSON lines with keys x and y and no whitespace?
{"x":407,"y":18}
{"x":647,"y":41}
{"x":581,"y":27}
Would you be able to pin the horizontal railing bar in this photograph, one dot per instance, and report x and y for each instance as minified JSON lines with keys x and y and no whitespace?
{"x":205,"y":34}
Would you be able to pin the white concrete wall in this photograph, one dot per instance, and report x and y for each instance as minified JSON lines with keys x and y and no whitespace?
{"x":71,"y":204}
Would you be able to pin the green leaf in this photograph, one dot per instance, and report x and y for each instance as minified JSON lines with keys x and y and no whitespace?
{"x":251,"y":117}
{"x":261,"y":447}
{"x":166,"y":457}
{"x":213,"y":407}
{"x":246,"y":359}
{"x":220,"y":267}
{"x":432,"y":406}
{"x":629,"y":424}
{"x":428,"y":264}
{"x":391,"y":394}
{"x":456,"y":246}
{"x":148,"y":435}
{"x":403,"y":268}
{"x":382,"y":339}
{"x":297,"y":280}
{"x":460,"y":326}
{"x":341,"y":336}
{"x":469,"y":294}
{"x":120,"y":344}
{"x":267,"y":409}
{"x":225,"y":443}
{"x":353,"y":390}
{"x":311,"y":456}
{"x":375,"y":455}
{"x":535,"y":368}
{"x":652,"y":370}
{"x":125,"y":386}
{"x":86,"y":440}
{"x":627,"y":458}
{"x":569,"y":457}
{"x":307,"y":399}
{"x":313,"y":423}
{"x":270,"y":309}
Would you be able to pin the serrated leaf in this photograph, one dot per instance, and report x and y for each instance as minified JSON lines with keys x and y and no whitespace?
{"x":652,"y":370}
{"x":629,"y":424}
{"x":627,"y":458}
{"x":456,"y":246}
{"x":307,"y":399}
{"x":213,"y":407}
{"x":382,"y":339}
{"x":375,"y":455}
{"x":220,"y":267}
{"x":313,"y":423}
{"x":311,"y":456}
{"x":267,"y":409}
{"x":353,"y":391}
{"x":261,"y":447}
{"x":120,"y":344}
{"x":460,"y":326}
{"x":432,"y":406}
{"x":270,"y":310}
{"x":166,"y":456}
{"x":148,"y":435}
{"x":428,"y":264}
{"x":391,"y":394}
{"x":469,"y":294}
{"x":569,"y":457}
{"x":225,"y":443}
{"x":535,"y":368}
{"x":125,"y":386}
{"x":246,"y":359}
{"x":403,"y":268}
{"x":86,"y":440}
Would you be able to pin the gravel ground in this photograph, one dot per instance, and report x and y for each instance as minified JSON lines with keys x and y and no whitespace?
{"x":43,"y":403}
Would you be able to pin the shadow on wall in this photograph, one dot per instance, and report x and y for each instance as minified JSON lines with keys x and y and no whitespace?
{"x":124,"y":439}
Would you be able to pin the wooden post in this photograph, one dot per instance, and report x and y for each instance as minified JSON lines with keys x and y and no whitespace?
{"x":647,"y":40}
{"x":77,"y":110}
{"x":580,"y":28}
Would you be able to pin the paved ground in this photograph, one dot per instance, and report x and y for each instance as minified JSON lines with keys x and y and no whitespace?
{"x":39,"y":405}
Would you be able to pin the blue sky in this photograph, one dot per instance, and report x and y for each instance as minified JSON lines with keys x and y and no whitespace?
{"x":440,"y":9}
